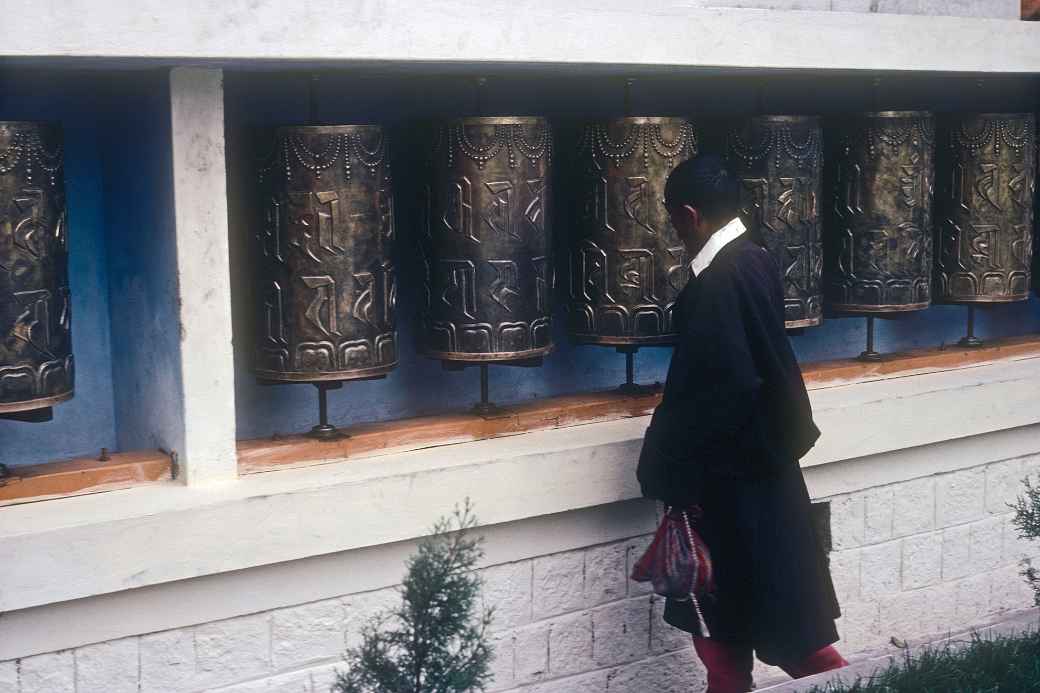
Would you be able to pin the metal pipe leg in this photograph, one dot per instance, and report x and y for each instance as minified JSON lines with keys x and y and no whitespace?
{"x":324,"y":430}
{"x":970,"y":340}
{"x":870,"y":354}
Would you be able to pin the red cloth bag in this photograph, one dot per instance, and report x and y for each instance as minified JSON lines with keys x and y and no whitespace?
{"x":677,"y":563}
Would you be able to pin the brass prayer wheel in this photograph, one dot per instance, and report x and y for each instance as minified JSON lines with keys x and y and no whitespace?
{"x":486,"y":242}
{"x":779,"y":160}
{"x":986,"y":172}
{"x":878,"y":245}
{"x":327,"y":287}
{"x":36,"y":367}
{"x":627,"y":264}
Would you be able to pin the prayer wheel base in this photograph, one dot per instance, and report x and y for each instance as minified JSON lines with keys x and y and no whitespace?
{"x":326,"y":432}
{"x":489,"y":410}
{"x":41,"y":415}
{"x":792,"y":325}
{"x":630,"y":388}
{"x":870,"y":356}
{"x":637,"y":390}
{"x":18,"y":410}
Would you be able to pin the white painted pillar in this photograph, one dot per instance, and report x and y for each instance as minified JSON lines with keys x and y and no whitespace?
{"x":200,"y":213}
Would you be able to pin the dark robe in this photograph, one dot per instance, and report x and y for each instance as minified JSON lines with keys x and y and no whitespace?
{"x":733,"y":422}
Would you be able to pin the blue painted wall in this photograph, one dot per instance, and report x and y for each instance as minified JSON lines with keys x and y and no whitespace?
{"x":122,"y":274}
{"x":420,"y":386}
{"x":87,"y":422}
{"x":146,"y":335}
{"x":114,"y":174}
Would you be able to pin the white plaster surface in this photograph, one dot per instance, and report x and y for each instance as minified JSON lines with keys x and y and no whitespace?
{"x":501,"y":31}
{"x":572,"y":620}
{"x":200,"y":212}
{"x":50,"y":551}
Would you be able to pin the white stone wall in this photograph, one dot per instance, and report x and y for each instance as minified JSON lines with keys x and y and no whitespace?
{"x":929,"y":555}
{"x":910,"y":559}
{"x":994,"y":9}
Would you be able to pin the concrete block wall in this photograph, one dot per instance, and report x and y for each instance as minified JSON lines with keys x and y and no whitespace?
{"x":930,"y":555}
{"x":910,"y":559}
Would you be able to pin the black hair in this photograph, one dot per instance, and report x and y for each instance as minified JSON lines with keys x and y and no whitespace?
{"x":705,"y":184}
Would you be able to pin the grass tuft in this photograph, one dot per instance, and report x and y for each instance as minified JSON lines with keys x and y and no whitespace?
{"x":1001,"y":664}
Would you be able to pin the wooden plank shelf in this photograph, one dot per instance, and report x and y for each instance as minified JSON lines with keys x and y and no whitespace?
{"x":79,"y":476}
{"x":82,"y":475}
{"x":370,"y":440}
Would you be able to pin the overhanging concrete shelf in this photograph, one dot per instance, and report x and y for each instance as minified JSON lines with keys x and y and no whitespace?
{"x":499,"y":32}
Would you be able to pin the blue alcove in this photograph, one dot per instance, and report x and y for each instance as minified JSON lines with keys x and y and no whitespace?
{"x":400,"y":99}
{"x":121,"y":273}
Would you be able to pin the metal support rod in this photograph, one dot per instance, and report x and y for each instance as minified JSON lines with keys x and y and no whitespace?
{"x":629,"y":387}
{"x":629,"y":81}
{"x":324,"y":430}
{"x":485,"y":407}
{"x":484,"y":385}
{"x":870,"y":354}
{"x":970,"y":340}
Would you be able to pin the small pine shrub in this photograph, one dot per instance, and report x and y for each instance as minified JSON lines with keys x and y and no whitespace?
{"x":1027,"y":522}
{"x":436,"y":640}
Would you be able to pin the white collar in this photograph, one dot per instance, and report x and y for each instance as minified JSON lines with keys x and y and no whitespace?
{"x":718,"y":240}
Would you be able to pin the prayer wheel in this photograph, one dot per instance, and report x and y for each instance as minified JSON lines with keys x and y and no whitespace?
{"x":778,"y":160}
{"x":36,"y":367}
{"x":627,"y":264}
{"x":878,"y":245}
{"x":486,"y":243}
{"x":985,"y":186}
{"x":327,"y":287}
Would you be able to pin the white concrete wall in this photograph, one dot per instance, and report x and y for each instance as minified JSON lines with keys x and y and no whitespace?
{"x":611,"y":33}
{"x":916,"y":557}
{"x":995,"y":9}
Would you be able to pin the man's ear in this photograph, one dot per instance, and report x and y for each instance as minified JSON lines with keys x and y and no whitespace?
{"x":693,"y":215}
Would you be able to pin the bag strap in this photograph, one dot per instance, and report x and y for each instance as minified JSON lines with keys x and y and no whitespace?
{"x":693,"y":597}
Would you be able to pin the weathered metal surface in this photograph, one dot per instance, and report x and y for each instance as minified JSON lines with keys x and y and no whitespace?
{"x":327,"y":284}
{"x":627,"y":264}
{"x":36,"y":366}
{"x":486,"y":243}
{"x":986,"y":171}
{"x":878,"y":234}
{"x":779,"y":160}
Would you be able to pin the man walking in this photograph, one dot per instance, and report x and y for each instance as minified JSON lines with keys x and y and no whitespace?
{"x":733,"y":422}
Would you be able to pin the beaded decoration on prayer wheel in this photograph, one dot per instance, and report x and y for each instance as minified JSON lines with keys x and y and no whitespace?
{"x":627,"y":264}
{"x":878,"y":235}
{"x":779,"y":160}
{"x":36,"y":366}
{"x":986,"y":172}
{"x":486,"y":244}
{"x":327,"y":283}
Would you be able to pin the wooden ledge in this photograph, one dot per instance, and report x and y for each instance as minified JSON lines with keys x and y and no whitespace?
{"x":845,"y":371}
{"x":82,"y":475}
{"x":369,"y":440}
{"x":88,"y":475}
